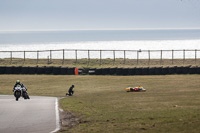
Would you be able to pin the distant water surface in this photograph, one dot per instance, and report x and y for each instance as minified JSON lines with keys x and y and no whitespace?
{"x":100,"y":40}
{"x":46,"y":37}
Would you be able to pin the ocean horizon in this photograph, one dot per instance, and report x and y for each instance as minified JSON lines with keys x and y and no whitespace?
{"x":100,"y":40}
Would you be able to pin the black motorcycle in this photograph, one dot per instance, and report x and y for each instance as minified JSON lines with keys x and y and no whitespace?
{"x":25,"y":93}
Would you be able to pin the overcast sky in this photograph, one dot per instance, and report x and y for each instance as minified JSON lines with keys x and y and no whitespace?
{"x":98,"y":14}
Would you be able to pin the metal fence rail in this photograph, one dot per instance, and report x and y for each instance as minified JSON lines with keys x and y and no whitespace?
{"x":76,"y":54}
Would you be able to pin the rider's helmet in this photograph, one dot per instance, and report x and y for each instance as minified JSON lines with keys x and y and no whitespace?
{"x":72,"y":85}
{"x":17,"y":82}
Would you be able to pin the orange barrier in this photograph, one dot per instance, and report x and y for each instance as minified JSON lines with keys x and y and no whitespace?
{"x":76,"y":71}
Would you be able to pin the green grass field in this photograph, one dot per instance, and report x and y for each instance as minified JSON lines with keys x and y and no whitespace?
{"x":96,"y":63}
{"x":170,"y":104}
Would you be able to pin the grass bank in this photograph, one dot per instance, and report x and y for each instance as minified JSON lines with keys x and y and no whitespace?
{"x":170,"y":104}
{"x":97,"y":63}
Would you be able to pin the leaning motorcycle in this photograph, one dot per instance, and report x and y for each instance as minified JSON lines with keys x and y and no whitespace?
{"x":17,"y":92}
{"x":25,"y":93}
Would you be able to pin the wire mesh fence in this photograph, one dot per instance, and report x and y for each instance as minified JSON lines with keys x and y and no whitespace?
{"x":136,"y":57}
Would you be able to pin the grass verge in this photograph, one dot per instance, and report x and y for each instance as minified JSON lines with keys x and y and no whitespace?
{"x":170,"y":104}
{"x":96,"y":63}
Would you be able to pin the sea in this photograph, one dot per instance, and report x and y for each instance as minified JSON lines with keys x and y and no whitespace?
{"x":94,"y":40}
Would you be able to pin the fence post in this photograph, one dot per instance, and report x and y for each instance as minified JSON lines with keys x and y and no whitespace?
{"x":24,"y":55}
{"x":88,"y":57}
{"x":10,"y":57}
{"x":137,"y":56}
{"x":100,"y":57}
{"x":50,"y":56}
{"x":63,"y":56}
{"x":113,"y":57}
{"x":76,"y":55}
{"x":161,"y":57}
{"x":172,"y":57}
{"x":124,"y":56}
{"x":48,"y":60}
{"x":195,"y":56}
{"x":149,"y":57}
{"x":37,"y":56}
{"x":183,"y":56}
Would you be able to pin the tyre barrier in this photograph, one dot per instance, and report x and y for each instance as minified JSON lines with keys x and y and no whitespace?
{"x":152,"y":71}
{"x":125,"y":71}
{"x":198,"y":70}
{"x":185,"y":70}
{"x":48,"y":70}
{"x":41,"y":70}
{"x":98,"y":71}
{"x":25,"y":70}
{"x":158,"y":71}
{"x":16,"y":70}
{"x":113,"y":71}
{"x":71,"y":71}
{"x":92,"y":71}
{"x":131,"y":71}
{"x":105,"y":71}
{"x":83,"y":71}
{"x":2,"y":69}
{"x":9,"y":70}
{"x":63,"y":70}
{"x":32,"y":70}
{"x":193,"y":70}
{"x":145,"y":71}
{"x":179,"y":70}
{"x":172,"y":70}
{"x":119,"y":71}
{"x":80,"y":71}
{"x":101,"y":71}
{"x":138,"y":71}
{"x":56,"y":70}
{"x":165,"y":70}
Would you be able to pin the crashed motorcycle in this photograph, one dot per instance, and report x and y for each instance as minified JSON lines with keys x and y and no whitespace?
{"x":19,"y":91}
{"x":135,"y":89}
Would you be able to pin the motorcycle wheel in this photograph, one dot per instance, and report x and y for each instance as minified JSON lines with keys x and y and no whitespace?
{"x":17,"y":95}
{"x":25,"y":96}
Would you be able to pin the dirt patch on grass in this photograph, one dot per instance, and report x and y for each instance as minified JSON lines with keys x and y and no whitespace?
{"x":68,"y":119}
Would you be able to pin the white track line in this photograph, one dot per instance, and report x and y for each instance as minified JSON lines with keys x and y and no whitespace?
{"x":57,"y":117}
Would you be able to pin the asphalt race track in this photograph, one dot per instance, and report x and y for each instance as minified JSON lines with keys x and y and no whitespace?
{"x":36,"y":115}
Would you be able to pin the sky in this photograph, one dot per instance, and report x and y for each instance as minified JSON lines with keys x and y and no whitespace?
{"x":20,"y":15}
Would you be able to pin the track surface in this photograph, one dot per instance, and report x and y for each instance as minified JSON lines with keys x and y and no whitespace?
{"x":37,"y":115}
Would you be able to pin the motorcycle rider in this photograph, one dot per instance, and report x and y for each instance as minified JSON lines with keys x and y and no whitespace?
{"x":18,"y":83}
{"x":22,"y":86}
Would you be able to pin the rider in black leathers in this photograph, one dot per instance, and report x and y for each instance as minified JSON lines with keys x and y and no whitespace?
{"x":22,"y":85}
{"x":71,"y":91}
{"x":18,"y":83}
